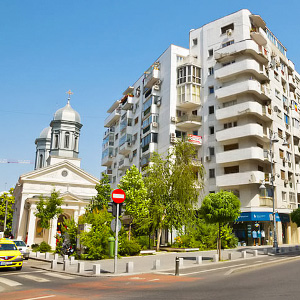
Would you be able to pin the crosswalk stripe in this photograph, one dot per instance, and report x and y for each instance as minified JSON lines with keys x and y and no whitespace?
{"x":58,"y":275}
{"x":9,"y":282}
{"x":34,"y":278}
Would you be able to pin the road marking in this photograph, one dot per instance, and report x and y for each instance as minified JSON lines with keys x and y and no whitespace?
{"x":259,"y":261}
{"x":137,"y":278}
{"x":21,"y":273}
{"x":9,"y":282}
{"x":205,"y":271}
{"x":42,"y":297}
{"x":272,"y":258}
{"x":57,"y":275}
{"x":155,"y":279}
{"x":34,"y":278}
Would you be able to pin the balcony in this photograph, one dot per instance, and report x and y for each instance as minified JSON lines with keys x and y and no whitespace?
{"x":152,"y":75}
{"x":191,"y":102}
{"x":189,"y":60}
{"x":126,"y":148}
{"x":107,"y":160}
{"x":266,"y":201}
{"x":237,"y":132}
{"x":127,"y":102}
{"x":188,"y":121}
{"x":292,"y":81}
{"x":108,"y":132}
{"x":240,"y":155}
{"x":249,"y":86}
{"x":259,"y":36}
{"x":124,"y":164}
{"x":237,"y":179}
{"x":245,"y":66}
{"x":112,"y":118}
{"x":247,"y":47}
{"x":298,"y":188}
{"x":297,"y":152}
{"x":242,"y":109}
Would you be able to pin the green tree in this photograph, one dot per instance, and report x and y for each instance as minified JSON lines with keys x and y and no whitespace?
{"x":220,"y":208}
{"x":10,"y":200}
{"x":102,"y":198}
{"x":49,"y":208}
{"x":295,"y":216}
{"x":173,"y":183}
{"x":137,"y":201}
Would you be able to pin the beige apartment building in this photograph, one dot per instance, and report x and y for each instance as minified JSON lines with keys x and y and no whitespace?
{"x":234,"y":94}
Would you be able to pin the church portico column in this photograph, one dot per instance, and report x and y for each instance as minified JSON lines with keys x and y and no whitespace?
{"x":52,"y":233}
{"x":31,"y":225}
{"x":76,"y":214}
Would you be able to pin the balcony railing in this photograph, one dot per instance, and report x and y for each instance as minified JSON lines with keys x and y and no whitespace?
{"x":188,"y":121}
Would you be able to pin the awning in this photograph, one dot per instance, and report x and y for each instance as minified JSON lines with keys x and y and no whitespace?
{"x":257,"y":216}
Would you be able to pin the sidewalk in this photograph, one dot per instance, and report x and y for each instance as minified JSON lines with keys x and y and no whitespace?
{"x":163,"y":261}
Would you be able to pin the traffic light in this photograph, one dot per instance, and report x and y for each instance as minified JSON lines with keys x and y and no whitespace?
{"x":112,"y":208}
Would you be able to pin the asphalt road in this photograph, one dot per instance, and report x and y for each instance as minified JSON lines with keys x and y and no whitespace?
{"x":234,"y":280}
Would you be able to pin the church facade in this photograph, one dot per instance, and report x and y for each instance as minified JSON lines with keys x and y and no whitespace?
{"x":57,"y":166}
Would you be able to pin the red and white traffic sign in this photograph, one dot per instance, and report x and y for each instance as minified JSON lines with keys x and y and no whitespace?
{"x":118,"y":196}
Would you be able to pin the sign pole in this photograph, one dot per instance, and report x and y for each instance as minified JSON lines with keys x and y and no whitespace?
{"x":116,"y":241}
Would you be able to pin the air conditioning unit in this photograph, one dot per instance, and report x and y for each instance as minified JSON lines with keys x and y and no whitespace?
{"x":158,"y":103}
{"x":277,"y":63}
{"x":173,"y":135}
{"x":173,"y":140}
{"x":173,"y":119}
{"x":275,"y":108}
{"x":286,"y":181}
{"x":158,"y":82}
{"x":229,"y":32}
{"x":207,"y":158}
{"x":154,"y":124}
{"x":129,"y":144}
{"x":156,"y":87}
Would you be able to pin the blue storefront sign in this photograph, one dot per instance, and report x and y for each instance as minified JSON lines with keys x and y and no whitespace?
{"x":257,"y":216}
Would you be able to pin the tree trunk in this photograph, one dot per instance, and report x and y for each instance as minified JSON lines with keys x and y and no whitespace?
{"x":158,"y":238}
{"x":129,"y":231}
{"x":219,"y":241}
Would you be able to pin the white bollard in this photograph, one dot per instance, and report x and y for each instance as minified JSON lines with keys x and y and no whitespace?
{"x":215,"y":258}
{"x":53,"y":264}
{"x":198,"y":260}
{"x":129,"y":267}
{"x":80,"y":267}
{"x":37,"y":254}
{"x":47,"y":254}
{"x":255,"y":253}
{"x":65,"y":257}
{"x":180,"y":261}
{"x":244,"y":254}
{"x":55,"y":256}
{"x":156,"y":264}
{"x":66,"y":265}
{"x":266,"y":251}
{"x":96,"y":269}
{"x":230,"y":256}
{"x":72,"y":260}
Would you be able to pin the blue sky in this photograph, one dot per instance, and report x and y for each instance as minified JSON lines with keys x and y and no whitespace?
{"x":97,"y":49}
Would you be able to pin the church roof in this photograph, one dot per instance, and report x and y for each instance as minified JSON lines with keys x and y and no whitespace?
{"x":46,"y":133}
{"x":67,"y":113}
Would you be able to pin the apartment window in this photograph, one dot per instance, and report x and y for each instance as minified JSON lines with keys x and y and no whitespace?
{"x":231,"y":147}
{"x":229,"y":103}
{"x":227,"y":43}
{"x":210,"y":52}
{"x":228,"y":63}
{"x":277,"y":94}
{"x":211,"y":89}
{"x":195,"y":42}
{"x":211,"y":151}
{"x":225,"y":28}
{"x":230,"y":124}
{"x":212,"y":173}
{"x":138,"y":92}
{"x":231,"y":170}
{"x":188,"y":74}
{"x":179,"y":58}
{"x":136,"y":120}
{"x":195,"y":132}
{"x":282,"y":174}
{"x":134,"y":154}
{"x":194,"y":112}
{"x":210,"y":71}
{"x":114,"y":179}
{"x":283,"y":196}
{"x":116,"y":136}
{"x":281,"y":153}
{"x":211,"y":110}
{"x":211,"y":130}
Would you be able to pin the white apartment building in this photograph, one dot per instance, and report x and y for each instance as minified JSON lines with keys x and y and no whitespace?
{"x":231,"y":92}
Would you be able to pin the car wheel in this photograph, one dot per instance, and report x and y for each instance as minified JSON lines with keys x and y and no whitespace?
{"x":26,"y":258}
{"x":19,"y":268}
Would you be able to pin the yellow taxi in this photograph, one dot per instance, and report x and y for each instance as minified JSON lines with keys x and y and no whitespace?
{"x":10,"y":256}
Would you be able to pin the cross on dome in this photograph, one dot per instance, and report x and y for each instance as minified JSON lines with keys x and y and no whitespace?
{"x":69,"y":97}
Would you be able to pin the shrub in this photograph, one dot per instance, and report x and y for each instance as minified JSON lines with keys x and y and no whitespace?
{"x":34,"y":247}
{"x":44,"y":247}
{"x":143,"y":240}
{"x":129,"y":248}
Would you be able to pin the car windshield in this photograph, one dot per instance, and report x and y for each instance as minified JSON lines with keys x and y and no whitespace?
{"x":4,"y":247}
{"x":20,"y":243}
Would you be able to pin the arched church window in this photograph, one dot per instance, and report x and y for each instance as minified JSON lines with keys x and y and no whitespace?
{"x":41,"y":160}
{"x":67,"y":140}
{"x":75,"y":143}
{"x":56,"y":141}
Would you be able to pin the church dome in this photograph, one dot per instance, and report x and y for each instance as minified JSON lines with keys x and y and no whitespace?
{"x":46,"y":133}
{"x":67,"y":113}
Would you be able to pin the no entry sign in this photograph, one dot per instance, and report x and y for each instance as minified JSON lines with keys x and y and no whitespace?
{"x":118,"y":196}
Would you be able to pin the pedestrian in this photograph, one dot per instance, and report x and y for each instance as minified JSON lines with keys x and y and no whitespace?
{"x":258,"y":237}
{"x":263,"y":235}
{"x":254,"y":236}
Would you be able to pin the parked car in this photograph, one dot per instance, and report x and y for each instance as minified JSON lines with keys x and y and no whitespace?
{"x":22,"y":248}
{"x":10,"y":256}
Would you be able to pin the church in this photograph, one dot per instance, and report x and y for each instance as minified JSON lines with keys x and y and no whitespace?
{"x":57,"y":166}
